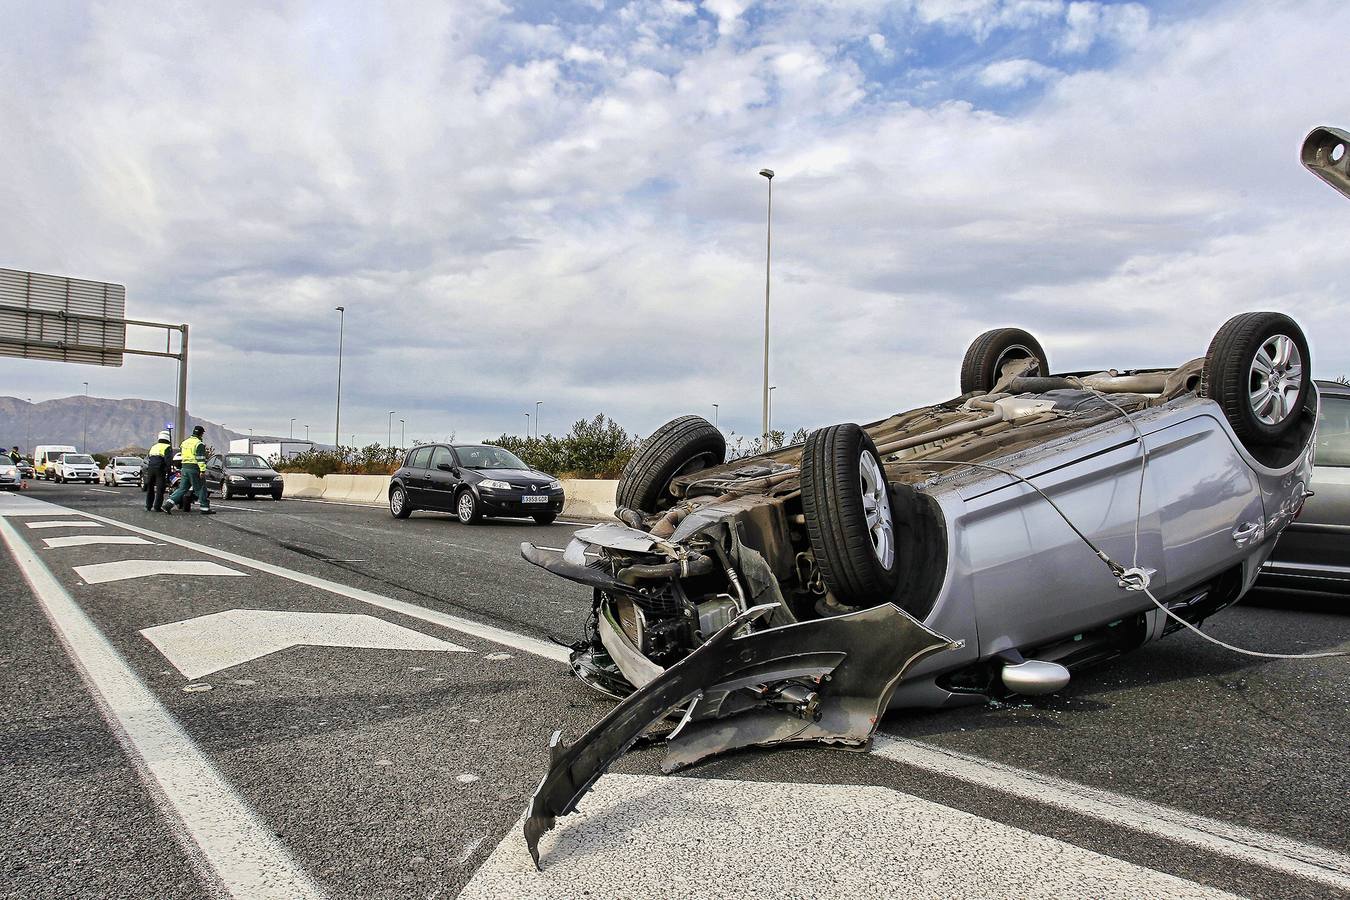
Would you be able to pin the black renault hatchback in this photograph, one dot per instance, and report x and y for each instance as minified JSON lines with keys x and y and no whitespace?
{"x":473,"y":481}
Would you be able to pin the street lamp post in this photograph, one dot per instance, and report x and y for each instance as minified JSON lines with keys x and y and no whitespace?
{"x":337,"y":420}
{"x":306,"y":432}
{"x":768,"y":256}
{"x":84,"y":444}
{"x":537,"y":404}
{"x":402,"y":433}
{"x":28,"y":427}
{"x":772,"y":388}
{"x":292,"y":428}
{"x":390,"y":439}
{"x":527,"y":425}
{"x":717,"y":416}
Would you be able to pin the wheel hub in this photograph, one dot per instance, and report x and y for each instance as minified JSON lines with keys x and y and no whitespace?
{"x":877,"y":508}
{"x":1276,"y":377}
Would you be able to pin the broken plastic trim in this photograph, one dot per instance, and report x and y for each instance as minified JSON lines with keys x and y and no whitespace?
{"x":851,"y":662}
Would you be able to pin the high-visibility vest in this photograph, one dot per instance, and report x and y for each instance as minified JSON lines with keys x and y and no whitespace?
{"x":194,"y":452}
{"x":158,"y":449}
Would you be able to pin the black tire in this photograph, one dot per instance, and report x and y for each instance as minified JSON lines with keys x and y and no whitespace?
{"x":276,"y":495}
{"x":836,"y":521}
{"x":399,"y":507}
{"x":544,"y":518}
{"x":987,"y":354}
{"x":1232,"y":377}
{"x":226,"y":492}
{"x":678,"y":447}
{"x":467,"y":508}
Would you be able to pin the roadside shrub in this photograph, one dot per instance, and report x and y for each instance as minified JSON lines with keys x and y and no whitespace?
{"x":593,"y":448}
{"x":373,"y":459}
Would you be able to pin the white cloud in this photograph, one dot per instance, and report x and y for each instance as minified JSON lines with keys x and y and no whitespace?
{"x":1086,"y":23}
{"x":1015,"y":73}
{"x":504,"y":225}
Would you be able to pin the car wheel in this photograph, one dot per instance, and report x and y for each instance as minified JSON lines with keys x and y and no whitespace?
{"x":276,"y":495}
{"x":679,"y":447}
{"x":226,"y":492}
{"x":849,"y":521}
{"x":399,"y":507}
{"x":990,"y":352}
{"x":1260,"y":373}
{"x":466,"y":507}
{"x":544,"y":518}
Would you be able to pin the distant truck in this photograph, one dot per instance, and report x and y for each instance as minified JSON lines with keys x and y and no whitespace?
{"x":45,"y":457}
{"x":271,"y":450}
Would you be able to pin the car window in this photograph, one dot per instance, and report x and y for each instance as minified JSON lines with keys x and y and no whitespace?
{"x":77,"y":459}
{"x":418,"y":458}
{"x":1333,"y":432}
{"x":441,"y":455}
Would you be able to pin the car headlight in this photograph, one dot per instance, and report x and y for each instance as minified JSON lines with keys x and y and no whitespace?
{"x":497,"y":485}
{"x":237,"y":478}
{"x":555,"y":485}
{"x":277,"y":478}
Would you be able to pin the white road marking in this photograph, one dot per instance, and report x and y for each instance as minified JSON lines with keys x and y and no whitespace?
{"x":1270,"y":851}
{"x":228,"y":845}
{"x":87,"y":540}
{"x":455,"y":623}
{"x":206,"y":644}
{"x":122,"y":569}
{"x":76,"y":523}
{"x":693,"y":837}
{"x":103,"y":490}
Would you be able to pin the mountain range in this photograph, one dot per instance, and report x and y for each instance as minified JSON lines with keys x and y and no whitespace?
{"x":109,"y":424}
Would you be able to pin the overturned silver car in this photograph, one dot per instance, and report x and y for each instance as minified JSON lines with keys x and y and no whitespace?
{"x":974,"y":549}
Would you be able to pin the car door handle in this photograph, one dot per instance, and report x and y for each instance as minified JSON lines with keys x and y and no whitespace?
{"x":1249,"y":533}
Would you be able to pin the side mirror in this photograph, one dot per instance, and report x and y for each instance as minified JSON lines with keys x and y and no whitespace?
{"x":445,"y":467}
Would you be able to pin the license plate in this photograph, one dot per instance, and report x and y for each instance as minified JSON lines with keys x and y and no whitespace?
{"x":533,"y":498}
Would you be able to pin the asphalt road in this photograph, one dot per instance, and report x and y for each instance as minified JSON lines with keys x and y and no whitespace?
{"x":383,"y":772}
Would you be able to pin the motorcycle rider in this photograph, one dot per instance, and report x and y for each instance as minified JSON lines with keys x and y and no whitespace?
{"x":194,"y":461}
{"x":157,"y":471}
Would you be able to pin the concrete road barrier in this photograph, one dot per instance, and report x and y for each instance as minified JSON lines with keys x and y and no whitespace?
{"x":586,"y":498}
{"x":590,"y":498}
{"x":302,"y":486}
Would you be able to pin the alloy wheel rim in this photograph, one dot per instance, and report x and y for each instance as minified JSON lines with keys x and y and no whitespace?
{"x":1275,"y":379}
{"x":877,"y":508}
{"x":465,"y":507}
{"x":396,"y":502}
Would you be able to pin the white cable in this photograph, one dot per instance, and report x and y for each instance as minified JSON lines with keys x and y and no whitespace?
{"x":1134,"y":578}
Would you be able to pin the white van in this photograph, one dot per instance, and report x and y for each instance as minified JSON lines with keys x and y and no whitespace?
{"x":45,"y":457}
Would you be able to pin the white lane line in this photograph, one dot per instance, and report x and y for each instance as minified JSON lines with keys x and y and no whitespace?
{"x":219,"y":832}
{"x":1269,"y":851}
{"x":103,"y":490}
{"x":89,"y":540}
{"x":123,"y":569}
{"x":206,"y":644}
{"x":455,"y":623}
{"x":76,"y":523}
{"x":865,"y":842}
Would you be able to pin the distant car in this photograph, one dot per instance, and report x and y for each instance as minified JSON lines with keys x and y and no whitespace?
{"x":473,"y":481}
{"x":9,"y":475}
{"x":243,"y":475}
{"x":75,"y":467}
{"x":26,"y":469}
{"x":1313,"y":554}
{"x":122,"y":470}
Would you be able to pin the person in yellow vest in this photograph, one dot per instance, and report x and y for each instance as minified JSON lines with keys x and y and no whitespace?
{"x":156,"y":472}
{"x":194,"y":462}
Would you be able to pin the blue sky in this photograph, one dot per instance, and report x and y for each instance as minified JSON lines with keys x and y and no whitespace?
{"x":559,"y":201}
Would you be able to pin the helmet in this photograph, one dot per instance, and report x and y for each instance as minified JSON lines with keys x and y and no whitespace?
{"x":164,"y":436}
{"x":198,"y":431}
